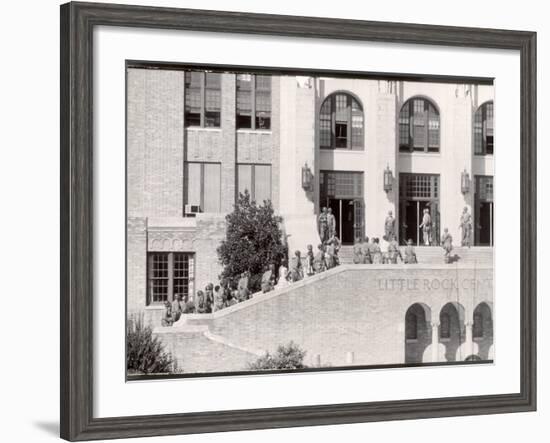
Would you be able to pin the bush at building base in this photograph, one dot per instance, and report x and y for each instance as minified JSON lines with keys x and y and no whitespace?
{"x":145,"y":354}
{"x":288,"y":356}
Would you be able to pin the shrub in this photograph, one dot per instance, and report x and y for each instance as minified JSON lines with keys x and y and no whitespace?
{"x":144,"y":353}
{"x":253,"y":241}
{"x":286,"y":357}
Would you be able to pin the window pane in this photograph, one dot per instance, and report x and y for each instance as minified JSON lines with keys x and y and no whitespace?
{"x":212,"y":99}
{"x":404,"y":128}
{"x":193,"y":180}
{"x":263,"y":102}
{"x":433,"y":129}
{"x":244,"y":101}
{"x":193,"y":98}
{"x":158,"y":277}
{"x":325,"y":124}
{"x":181,"y":274}
{"x":212,"y":187}
{"x":262,"y":184}
{"x":356,"y":125}
{"x":244,"y":176}
{"x":478,"y":132}
{"x":419,"y":125}
{"x":489,"y":127}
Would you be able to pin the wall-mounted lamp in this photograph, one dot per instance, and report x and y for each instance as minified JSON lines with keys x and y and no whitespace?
{"x":307,"y":178}
{"x":388,"y":179}
{"x":465,"y":182}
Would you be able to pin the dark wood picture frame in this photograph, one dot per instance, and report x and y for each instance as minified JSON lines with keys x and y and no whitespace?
{"x":77,"y":24}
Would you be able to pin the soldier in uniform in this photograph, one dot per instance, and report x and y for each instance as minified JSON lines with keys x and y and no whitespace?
{"x":202,"y":306}
{"x":389,"y":227}
{"x":319,"y":260}
{"x":331,"y":223}
{"x":358,"y":257}
{"x":219,"y":299}
{"x":168,"y":317}
{"x":393,"y":252}
{"x":209,"y":294}
{"x":178,"y":307}
{"x":333,"y":247}
{"x":410,"y":255}
{"x":268,"y":279}
{"x":296,"y":269}
{"x":447,"y":245}
{"x":376,"y":252}
{"x":368,"y":248}
{"x":466,"y":226}
{"x":309,"y":260}
{"x":282,"y":281}
{"x":426,"y":226}
{"x":323,"y":225}
{"x":242,"y":287}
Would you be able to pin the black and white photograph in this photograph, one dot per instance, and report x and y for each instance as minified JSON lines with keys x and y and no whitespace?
{"x":290,"y":221}
{"x":297,"y":221}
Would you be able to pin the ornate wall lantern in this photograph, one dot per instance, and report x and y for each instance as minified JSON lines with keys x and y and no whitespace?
{"x":307,"y":178}
{"x":465,"y":182}
{"x":388,"y":179}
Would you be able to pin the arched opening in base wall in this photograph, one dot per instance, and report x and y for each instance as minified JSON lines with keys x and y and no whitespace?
{"x":417,"y":332}
{"x":451,"y":329}
{"x":482,"y":330}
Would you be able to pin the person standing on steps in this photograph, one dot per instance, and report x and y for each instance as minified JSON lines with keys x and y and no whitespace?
{"x":323,"y":225}
{"x":447,"y":245}
{"x":466,"y":226}
{"x":426,"y":227}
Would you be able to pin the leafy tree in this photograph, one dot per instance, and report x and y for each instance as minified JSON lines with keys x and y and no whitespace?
{"x":144,"y":353}
{"x":288,"y":356}
{"x":253,"y":241}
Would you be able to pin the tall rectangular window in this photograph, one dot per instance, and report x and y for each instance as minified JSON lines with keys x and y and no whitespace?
{"x":203,"y":99}
{"x":253,"y":101}
{"x":169,"y":274}
{"x":483,"y":130}
{"x":256,"y":179}
{"x":203,"y":186}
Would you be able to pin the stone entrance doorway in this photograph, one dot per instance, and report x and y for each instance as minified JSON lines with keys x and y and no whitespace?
{"x":416,"y":193}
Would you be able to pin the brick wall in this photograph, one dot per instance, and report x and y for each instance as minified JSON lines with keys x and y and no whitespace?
{"x":154,"y":139}
{"x":136,"y":271}
{"x":355,"y":309}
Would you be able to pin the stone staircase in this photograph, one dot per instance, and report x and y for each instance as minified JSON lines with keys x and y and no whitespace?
{"x":481,"y":255}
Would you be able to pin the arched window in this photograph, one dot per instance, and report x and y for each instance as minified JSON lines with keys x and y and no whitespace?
{"x":341,"y":122}
{"x":483,"y":130}
{"x":418,"y":126}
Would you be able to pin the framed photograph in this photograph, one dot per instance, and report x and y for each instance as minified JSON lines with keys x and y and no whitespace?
{"x":272,"y":221}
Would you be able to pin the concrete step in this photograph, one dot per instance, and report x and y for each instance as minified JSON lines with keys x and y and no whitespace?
{"x":434,"y":254}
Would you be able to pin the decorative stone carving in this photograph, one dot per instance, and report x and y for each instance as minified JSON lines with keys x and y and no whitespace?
{"x":304,"y":82}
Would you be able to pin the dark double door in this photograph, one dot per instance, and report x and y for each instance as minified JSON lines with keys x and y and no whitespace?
{"x":342,"y":191}
{"x":418,"y":192}
{"x":348,"y":215}
{"x":484,"y":211}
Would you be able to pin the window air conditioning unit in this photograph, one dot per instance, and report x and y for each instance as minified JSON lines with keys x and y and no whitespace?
{"x":191,"y":210}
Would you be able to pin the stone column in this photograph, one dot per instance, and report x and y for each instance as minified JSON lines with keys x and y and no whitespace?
{"x":297,"y":149}
{"x":229,"y":140}
{"x":380,"y":116}
{"x":469,"y":343}
{"x":435,"y":342}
